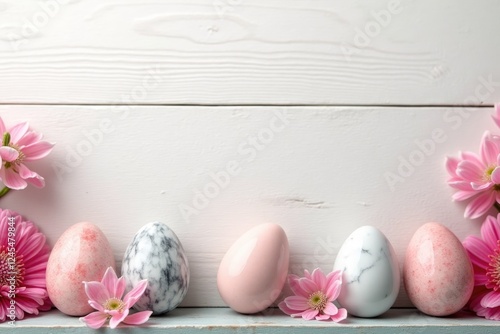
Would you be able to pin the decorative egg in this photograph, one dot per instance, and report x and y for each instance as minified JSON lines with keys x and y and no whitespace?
{"x":82,"y":253}
{"x":156,"y":254}
{"x":253,"y":271}
{"x":371,"y":278}
{"x":438,"y":274}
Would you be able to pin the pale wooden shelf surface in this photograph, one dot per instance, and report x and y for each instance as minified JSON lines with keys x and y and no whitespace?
{"x":225,"y":321}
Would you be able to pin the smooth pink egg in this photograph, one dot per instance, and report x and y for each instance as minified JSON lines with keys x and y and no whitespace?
{"x":82,"y":253}
{"x":438,"y":274}
{"x":253,"y":271}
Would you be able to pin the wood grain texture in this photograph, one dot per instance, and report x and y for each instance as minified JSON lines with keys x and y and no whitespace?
{"x":225,"y":321}
{"x":320,"y":172}
{"x":249,"y":52}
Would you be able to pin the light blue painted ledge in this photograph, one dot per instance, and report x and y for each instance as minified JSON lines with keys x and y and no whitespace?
{"x":225,"y":321}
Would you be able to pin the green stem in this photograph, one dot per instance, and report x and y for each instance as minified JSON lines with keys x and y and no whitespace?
{"x":4,"y":191}
{"x":6,"y":139}
{"x":497,"y":206}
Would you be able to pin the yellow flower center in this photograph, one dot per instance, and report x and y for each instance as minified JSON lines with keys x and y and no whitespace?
{"x":114,"y":304}
{"x":317,"y":301}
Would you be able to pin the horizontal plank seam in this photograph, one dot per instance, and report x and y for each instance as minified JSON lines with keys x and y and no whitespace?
{"x":251,"y":105}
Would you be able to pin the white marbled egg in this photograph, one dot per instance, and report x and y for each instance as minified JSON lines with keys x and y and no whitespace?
{"x":371,"y":277}
{"x":156,"y":254}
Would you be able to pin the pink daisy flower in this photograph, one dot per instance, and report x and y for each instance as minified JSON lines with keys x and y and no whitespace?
{"x":23,"y":259}
{"x":21,"y":145}
{"x":106,"y":298}
{"x":484,"y":253}
{"x":477,"y":177}
{"x":314,"y":296}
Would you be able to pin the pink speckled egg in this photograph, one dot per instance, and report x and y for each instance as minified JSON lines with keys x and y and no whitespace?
{"x":82,"y":253}
{"x":253,"y":271}
{"x":438,"y":274}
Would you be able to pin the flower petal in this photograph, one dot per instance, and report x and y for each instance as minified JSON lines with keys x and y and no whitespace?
{"x":18,"y":131}
{"x":137,"y":318}
{"x":117,"y":317}
{"x":2,"y":128}
{"x":120,"y":287}
{"x":490,"y":231}
{"x":97,"y":292}
{"x":308,"y":285}
{"x":8,"y":153}
{"x":496,"y":115}
{"x":109,"y":280}
{"x":333,"y":290}
{"x":297,"y":303}
{"x":322,"y":317}
{"x":491,"y":299}
{"x":341,"y":315}
{"x":293,"y":282}
{"x":480,"y":205}
{"x":309,"y":314}
{"x":463,"y":195}
{"x":495,"y":175}
{"x":470,"y":171}
{"x":37,"y":151}
{"x":330,"y":309}
{"x":30,"y":176}
{"x":12,"y":180}
{"x":451,"y":165}
{"x":478,"y":250}
{"x":133,"y":296}
{"x":320,"y":279}
{"x":285,"y":309}
{"x":95,"y":319}
{"x":489,"y":150}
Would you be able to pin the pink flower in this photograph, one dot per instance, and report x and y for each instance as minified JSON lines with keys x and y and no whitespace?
{"x":21,"y":145}
{"x":106,"y":298}
{"x":314,"y":296}
{"x":485,"y":257}
{"x":23,"y":259}
{"x":477,"y":177}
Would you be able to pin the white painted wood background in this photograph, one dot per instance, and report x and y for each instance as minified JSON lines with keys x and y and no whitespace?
{"x":335,"y":112}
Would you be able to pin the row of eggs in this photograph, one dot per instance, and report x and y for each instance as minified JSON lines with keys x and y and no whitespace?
{"x":437,"y":274}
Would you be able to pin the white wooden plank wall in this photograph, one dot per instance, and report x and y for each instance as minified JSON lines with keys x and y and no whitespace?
{"x":306,"y":105}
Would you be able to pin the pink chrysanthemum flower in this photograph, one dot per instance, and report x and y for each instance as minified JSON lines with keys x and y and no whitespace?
{"x":106,"y":298}
{"x":21,"y":145}
{"x":23,"y":259}
{"x":314,"y":296}
{"x":477,"y":177}
{"x":485,"y":257}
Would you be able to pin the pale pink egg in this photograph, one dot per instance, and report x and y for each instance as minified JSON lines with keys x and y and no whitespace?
{"x":253,"y":271}
{"x":82,"y":253}
{"x":438,"y":274}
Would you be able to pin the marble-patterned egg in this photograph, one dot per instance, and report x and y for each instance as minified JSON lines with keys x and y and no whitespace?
{"x":82,"y":253}
{"x":156,"y":254}
{"x":437,"y":272}
{"x":253,"y":271}
{"x":371,"y":277}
